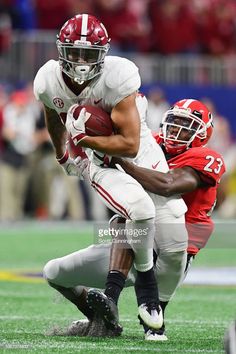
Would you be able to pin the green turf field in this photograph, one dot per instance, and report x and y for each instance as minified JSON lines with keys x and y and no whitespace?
{"x":196,"y":319}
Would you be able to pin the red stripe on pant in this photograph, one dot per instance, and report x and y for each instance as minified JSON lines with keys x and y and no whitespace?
{"x":110,"y":200}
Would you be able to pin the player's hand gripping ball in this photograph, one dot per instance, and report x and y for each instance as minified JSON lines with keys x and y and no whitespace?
{"x":88,"y":120}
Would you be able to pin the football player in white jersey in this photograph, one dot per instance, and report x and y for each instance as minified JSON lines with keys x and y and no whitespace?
{"x":85,"y":75}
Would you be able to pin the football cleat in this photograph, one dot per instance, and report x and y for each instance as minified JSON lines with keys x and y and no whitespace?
{"x":157,"y":335}
{"x":151,"y":315}
{"x":105,"y":309}
{"x":99,"y":329}
{"x":154,"y":335}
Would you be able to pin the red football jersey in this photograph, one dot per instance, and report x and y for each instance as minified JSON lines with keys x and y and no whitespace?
{"x":210,"y":166}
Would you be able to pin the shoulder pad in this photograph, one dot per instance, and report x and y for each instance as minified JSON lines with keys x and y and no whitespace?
{"x":40,"y":82}
{"x":123,"y":76}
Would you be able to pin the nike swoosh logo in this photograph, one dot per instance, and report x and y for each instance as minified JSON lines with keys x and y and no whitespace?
{"x":155,"y":166}
{"x":97,"y":101}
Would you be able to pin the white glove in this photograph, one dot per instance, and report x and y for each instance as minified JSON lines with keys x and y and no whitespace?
{"x":101,"y":159}
{"x":73,"y":167}
{"x":76,"y":127}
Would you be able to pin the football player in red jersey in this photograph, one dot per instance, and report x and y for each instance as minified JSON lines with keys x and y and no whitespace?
{"x":195,"y":173}
{"x":195,"y":170}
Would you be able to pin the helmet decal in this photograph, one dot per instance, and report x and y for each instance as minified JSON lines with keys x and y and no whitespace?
{"x":84,"y":27}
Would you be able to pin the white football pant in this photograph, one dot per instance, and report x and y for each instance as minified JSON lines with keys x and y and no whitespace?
{"x":89,"y":267}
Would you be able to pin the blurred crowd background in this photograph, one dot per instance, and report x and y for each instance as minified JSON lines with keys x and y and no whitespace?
{"x":183,"y":49}
{"x":163,"y":26}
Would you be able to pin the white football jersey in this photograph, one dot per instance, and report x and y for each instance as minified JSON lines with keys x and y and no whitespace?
{"x":119,"y":79}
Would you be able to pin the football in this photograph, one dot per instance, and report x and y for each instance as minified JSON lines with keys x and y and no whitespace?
{"x":99,"y":122}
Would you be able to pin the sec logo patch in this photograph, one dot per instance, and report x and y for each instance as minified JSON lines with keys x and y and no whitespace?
{"x":58,"y":102}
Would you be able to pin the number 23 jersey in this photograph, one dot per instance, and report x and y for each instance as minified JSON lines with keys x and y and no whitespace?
{"x":210,"y":167}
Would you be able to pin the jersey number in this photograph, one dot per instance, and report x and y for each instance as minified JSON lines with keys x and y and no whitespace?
{"x":210,"y":163}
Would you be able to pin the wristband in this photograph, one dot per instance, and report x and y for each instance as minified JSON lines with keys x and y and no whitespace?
{"x":64,"y":158}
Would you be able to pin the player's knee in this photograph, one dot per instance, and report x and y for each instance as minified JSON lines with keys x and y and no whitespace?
{"x":176,"y":260}
{"x":143,"y":209}
{"x":51,"y":270}
{"x":172,"y":263}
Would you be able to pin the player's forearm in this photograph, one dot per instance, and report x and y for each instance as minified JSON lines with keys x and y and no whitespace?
{"x":115,"y":145}
{"x":152,"y":181}
{"x":177,"y":181}
{"x":58,"y":137}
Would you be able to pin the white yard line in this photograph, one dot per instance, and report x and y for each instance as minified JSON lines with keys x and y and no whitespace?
{"x":80,"y":347}
{"x":211,"y":276}
{"x":219,"y":323}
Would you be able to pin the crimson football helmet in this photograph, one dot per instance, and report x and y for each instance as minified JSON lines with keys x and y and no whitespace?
{"x":187,"y":124}
{"x":82,"y":44}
